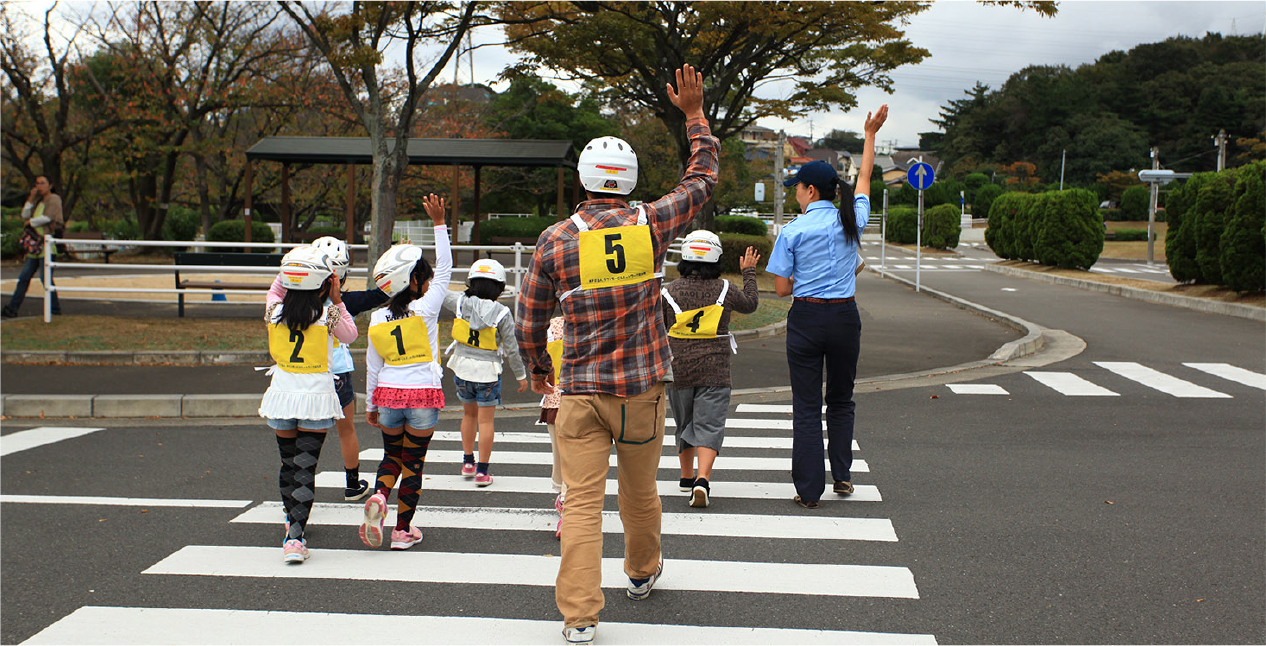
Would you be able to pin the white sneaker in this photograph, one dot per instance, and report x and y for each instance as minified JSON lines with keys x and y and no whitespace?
{"x":638,"y":591}
{"x":580,"y":635}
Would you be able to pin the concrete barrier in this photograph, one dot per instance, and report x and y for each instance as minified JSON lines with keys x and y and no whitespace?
{"x":136,"y":406}
{"x":48,"y":405}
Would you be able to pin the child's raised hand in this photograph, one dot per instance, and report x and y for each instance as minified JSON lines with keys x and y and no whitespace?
{"x":435,"y":207}
{"x":749,"y":259}
{"x":336,"y":289}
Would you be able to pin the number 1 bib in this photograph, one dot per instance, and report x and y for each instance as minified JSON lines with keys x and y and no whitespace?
{"x":303,"y":351}
{"x":402,"y":341}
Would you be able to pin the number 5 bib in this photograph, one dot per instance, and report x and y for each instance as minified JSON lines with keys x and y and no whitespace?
{"x":402,"y":341}
{"x":615,"y":256}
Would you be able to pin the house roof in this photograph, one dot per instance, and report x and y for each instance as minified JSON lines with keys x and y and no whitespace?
{"x":422,"y":152}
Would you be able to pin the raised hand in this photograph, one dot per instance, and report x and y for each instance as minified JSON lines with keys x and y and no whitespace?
{"x":749,"y":259}
{"x":874,"y":123}
{"x":688,"y":97}
{"x":435,"y":207}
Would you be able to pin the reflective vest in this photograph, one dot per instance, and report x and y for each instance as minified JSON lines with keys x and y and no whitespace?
{"x":699,"y":323}
{"x":615,"y":256}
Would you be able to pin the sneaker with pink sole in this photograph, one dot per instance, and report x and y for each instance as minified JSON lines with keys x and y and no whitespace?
{"x":468,"y":469}
{"x":294,"y":551}
{"x":483,"y":479}
{"x":558,"y":506}
{"x":371,"y":529}
{"x":404,"y":539}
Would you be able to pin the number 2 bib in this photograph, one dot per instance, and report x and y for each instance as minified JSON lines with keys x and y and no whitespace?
{"x":303,"y":351}
{"x":402,"y":341}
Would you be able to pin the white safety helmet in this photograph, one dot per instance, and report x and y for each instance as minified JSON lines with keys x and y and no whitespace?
{"x":305,"y":268}
{"x":487,"y":268}
{"x":701,"y":246}
{"x":608,"y":165}
{"x":393,"y":269}
{"x":337,"y":251}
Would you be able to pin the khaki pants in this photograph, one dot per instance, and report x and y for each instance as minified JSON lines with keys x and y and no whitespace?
{"x":587,"y":427}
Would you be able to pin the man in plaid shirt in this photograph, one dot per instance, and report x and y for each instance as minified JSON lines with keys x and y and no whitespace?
{"x":601,"y":267}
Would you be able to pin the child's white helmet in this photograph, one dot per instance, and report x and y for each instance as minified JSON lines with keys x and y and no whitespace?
{"x":701,"y":246}
{"x":608,"y":165}
{"x":393,"y":269}
{"x":305,"y":268}
{"x":337,"y":251}
{"x":487,"y":268}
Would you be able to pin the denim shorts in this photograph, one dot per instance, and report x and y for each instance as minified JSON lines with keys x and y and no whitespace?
{"x":310,"y":424}
{"x":477,"y":392}
{"x":343,"y":386}
{"x":419,"y":418}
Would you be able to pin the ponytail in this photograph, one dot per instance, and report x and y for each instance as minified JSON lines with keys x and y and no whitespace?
{"x":847,"y":219}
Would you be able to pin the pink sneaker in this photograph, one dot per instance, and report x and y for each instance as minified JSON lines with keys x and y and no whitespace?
{"x":371,"y":529}
{"x":483,"y":479}
{"x":558,"y":506}
{"x":403,"y":540}
{"x":294,"y":551}
{"x":468,"y":469}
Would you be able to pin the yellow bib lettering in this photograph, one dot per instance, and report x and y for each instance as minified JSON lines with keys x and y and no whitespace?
{"x":617,"y":256}
{"x":485,"y":339}
{"x":304,"y":351}
{"x":699,"y":323}
{"x":402,"y":342}
{"x":555,"y":350}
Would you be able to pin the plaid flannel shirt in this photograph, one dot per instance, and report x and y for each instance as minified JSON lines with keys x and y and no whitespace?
{"x":615,"y":341}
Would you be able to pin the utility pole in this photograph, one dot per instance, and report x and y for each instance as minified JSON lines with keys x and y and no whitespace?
{"x":1151,"y":209}
{"x":1219,"y":142}
{"x":1062,"y":157}
{"x":779,"y":190}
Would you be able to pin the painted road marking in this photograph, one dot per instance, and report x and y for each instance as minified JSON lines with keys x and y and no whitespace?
{"x":977,"y":389}
{"x":39,"y":436}
{"x":516,"y":519}
{"x":1227,"y":371}
{"x":1070,"y":384}
{"x":724,"y":463}
{"x":530,"y":569}
{"x":124,"y":502}
{"x":1159,"y":380}
{"x":731,"y":441}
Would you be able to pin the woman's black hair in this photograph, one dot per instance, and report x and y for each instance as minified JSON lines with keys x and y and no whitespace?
{"x":301,"y":308}
{"x":399,"y":304}
{"x":847,"y":219}
{"x":485,"y":288}
{"x":696,"y":269}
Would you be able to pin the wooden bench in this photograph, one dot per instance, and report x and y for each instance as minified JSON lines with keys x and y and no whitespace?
{"x":220,"y":260}
{"x":75,"y":250}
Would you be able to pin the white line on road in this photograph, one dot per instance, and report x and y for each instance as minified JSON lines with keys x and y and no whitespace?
{"x":536,"y":570}
{"x":977,"y":389}
{"x":723,"y":463}
{"x":124,"y":502}
{"x":1067,"y":383}
{"x":1159,"y":380}
{"x":39,"y":436}
{"x":679,"y":524}
{"x":1228,"y":371}
{"x":529,"y":484}
{"x":731,"y":441}
{"x":107,"y":625}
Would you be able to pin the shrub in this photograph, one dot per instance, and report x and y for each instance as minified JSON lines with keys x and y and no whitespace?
{"x":1026,"y":225}
{"x":78,"y":226}
{"x":983,"y":199}
{"x":903,"y":223}
{"x":975,"y":181}
{"x":11,"y":227}
{"x":1068,"y":232}
{"x":1180,"y":240}
{"x":235,"y":231}
{"x":1129,"y":235}
{"x":999,"y":235}
{"x":1243,"y":247}
{"x":741,"y":224}
{"x":513,"y":228}
{"x":1134,"y":203}
{"x":181,"y":224}
{"x":734,"y":245}
{"x":1213,"y":203}
{"x":125,"y":229}
{"x":941,"y":226}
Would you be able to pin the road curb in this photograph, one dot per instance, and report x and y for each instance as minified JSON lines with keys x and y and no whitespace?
{"x":1160,"y":298}
{"x":138,"y":357}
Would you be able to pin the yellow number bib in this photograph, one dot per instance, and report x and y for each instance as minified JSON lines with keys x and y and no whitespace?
{"x":555,"y":350}
{"x":402,"y":342}
{"x":306,"y":351}
{"x":616,"y":256}
{"x":699,"y":323}
{"x":485,"y":339}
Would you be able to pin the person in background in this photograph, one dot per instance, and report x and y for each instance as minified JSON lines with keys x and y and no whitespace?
{"x":42,"y":215}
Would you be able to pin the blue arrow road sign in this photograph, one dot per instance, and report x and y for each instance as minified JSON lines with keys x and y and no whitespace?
{"x":920,"y":176}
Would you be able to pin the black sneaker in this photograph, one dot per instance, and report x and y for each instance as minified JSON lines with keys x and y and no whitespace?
{"x":9,"y":312}
{"x":699,"y":494}
{"x":356,"y":493}
{"x":687,"y":484}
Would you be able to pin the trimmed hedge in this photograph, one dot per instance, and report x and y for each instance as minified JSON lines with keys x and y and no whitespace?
{"x":1060,"y":228}
{"x":1129,"y":235}
{"x":734,"y":245}
{"x":1134,"y":203}
{"x":941,"y":226}
{"x":1243,"y":241}
{"x":741,"y":224}
{"x":235,"y":231}
{"x":1180,"y":239}
{"x":999,"y":235}
{"x":514,"y":228}
{"x":903,"y":223}
{"x":12,"y":229}
{"x":983,"y":200}
{"x":1217,"y":229}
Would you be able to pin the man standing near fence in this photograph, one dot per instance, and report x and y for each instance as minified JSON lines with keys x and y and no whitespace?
{"x":601,"y":267}
{"x":42,"y":215}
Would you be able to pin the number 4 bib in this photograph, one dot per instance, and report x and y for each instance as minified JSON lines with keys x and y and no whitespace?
{"x":699,"y":323}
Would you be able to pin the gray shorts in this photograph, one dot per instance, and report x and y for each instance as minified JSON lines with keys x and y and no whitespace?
{"x":700,"y":415}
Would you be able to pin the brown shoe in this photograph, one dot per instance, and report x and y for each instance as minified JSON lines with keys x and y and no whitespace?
{"x":843,"y":487}
{"x":807,"y":504}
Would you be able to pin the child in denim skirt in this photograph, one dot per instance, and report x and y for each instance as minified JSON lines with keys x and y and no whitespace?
{"x":483,"y":332}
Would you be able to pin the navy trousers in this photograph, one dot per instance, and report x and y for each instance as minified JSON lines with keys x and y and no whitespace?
{"x":34,"y":266}
{"x":821,"y":334}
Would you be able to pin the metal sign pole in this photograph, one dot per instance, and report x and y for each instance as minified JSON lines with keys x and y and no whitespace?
{"x":883,"y":235}
{"x":918,"y":244}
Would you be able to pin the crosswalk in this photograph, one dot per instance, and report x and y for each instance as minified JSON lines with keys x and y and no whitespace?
{"x":1151,"y":379}
{"x":518,"y":509}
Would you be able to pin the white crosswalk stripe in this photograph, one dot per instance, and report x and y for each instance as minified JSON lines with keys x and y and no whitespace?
{"x":1233,"y":373}
{"x":694,"y":567}
{"x":1085,"y":385}
{"x":1160,"y":381}
{"x":1069,"y":384}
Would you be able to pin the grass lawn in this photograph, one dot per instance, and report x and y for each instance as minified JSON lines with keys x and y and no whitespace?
{"x":1136,"y":250}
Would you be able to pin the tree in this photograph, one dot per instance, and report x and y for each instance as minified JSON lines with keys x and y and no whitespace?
{"x":354,"y":45}
{"x":842,"y":140}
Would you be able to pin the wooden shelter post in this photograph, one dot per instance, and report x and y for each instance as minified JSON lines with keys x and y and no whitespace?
{"x":348,"y":213}
{"x":457,"y":204}
{"x":474,"y":236}
{"x":246,"y":211}
{"x":559,"y":190}
{"x":286,"y":233}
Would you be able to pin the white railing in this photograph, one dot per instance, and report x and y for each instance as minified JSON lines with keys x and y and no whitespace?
{"x":50,"y":264}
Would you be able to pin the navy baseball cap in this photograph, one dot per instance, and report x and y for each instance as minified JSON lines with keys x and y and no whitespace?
{"x":814,"y":173}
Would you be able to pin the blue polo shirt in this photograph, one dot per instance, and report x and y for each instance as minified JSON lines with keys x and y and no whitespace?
{"x":813,"y":251}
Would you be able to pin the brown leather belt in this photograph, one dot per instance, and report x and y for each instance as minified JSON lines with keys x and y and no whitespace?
{"x":810,"y":299}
